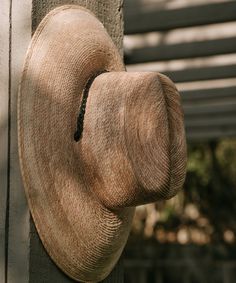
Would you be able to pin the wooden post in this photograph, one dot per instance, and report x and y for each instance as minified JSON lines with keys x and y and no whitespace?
{"x":4,"y":130}
{"x":22,"y":256}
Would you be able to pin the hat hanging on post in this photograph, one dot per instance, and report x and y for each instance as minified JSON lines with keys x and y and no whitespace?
{"x":94,"y":142}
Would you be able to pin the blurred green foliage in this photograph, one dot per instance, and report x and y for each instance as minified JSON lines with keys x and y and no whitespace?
{"x":205,"y":210}
{"x":211,"y":184}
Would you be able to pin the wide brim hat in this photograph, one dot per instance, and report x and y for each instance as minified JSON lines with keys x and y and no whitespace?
{"x":94,"y":141}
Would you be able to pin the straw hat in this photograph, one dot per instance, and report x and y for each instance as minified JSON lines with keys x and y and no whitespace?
{"x":94,"y":142}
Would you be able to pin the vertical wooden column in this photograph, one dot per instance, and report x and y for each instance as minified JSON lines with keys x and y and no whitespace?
{"x":18,"y":232}
{"x":4,"y":128}
{"x":25,"y":258}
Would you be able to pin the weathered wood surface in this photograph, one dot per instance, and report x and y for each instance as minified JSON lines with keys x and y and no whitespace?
{"x":141,"y":19}
{"x":4,"y":128}
{"x":190,"y":74}
{"x":18,"y":237}
{"x":202,"y":73}
{"x":20,"y":248}
{"x":195,"y":49}
{"x":210,"y":113}
{"x":220,"y":95}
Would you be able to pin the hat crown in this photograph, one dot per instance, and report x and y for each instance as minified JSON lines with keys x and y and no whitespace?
{"x":134,"y":131}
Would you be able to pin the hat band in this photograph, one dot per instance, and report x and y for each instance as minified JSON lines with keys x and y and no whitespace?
{"x":80,"y":119}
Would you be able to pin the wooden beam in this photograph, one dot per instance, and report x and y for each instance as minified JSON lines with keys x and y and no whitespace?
{"x":210,"y":134}
{"x":221,"y":94}
{"x":210,"y":113}
{"x":192,"y":74}
{"x":202,"y":73}
{"x":139,"y":20}
{"x":164,"y":52}
{"x":18,"y":238}
{"x":41,"y":266}
{"x":212,"y":109}
{"x":226,"y":120}
{"x":4,"y":132}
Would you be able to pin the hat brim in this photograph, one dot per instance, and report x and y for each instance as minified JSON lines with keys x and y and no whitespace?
{"x":84,"y":238}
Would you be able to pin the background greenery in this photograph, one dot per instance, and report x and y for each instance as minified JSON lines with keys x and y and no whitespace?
{"x":204,"y":211}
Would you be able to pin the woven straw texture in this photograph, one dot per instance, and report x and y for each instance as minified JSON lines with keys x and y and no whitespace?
{"x":132,"y":150}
